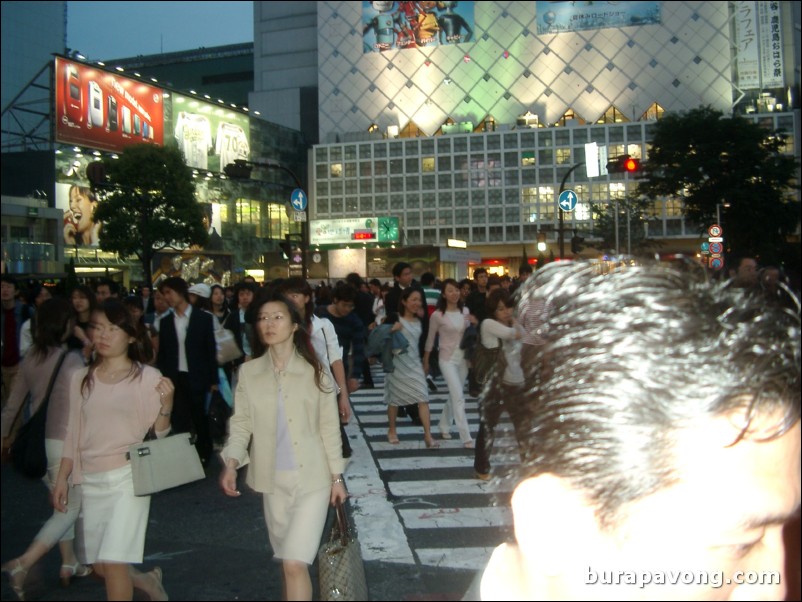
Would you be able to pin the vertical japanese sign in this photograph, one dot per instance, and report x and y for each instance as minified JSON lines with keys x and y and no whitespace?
{"x":758,"y":33}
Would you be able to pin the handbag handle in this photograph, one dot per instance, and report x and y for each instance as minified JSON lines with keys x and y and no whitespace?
{"x":342,"y":521}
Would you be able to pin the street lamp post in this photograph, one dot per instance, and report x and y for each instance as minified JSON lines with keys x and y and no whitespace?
{"x":240,"y":166}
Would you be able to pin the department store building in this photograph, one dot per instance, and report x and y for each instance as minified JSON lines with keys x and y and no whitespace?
{"x":463,"y":119}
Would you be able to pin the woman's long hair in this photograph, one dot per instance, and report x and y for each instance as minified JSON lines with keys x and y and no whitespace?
{"x":118,"y":314}
{"x":405,"y":295}
{"x":442,"y":304}
{"x":301,"y":338}
{"x":53,"y":325}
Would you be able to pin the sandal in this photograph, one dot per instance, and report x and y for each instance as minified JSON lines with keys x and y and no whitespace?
{"x":69,"y":571}
{"x":431,"y":444}
{"x":158,"y":593}
{"x":393,"y":439}
{"x":16,"y":577}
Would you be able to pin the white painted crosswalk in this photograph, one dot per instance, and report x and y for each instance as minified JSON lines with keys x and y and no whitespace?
{"x":415,"y":505}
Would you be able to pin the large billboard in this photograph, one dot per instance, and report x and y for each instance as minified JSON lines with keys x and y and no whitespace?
{"x":210,"y":135}
{"x":403,"y":25}
{"x":559,"y":17}
{"x":103,"y":110}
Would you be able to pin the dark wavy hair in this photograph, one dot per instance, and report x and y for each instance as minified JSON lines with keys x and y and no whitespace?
{"x":119,"y":315}
{"x":494,"y":297}
{"x":54,"y":320}
{"x":442,"y":304}
{"x":619,"y":373}
{"x":301,"y":338}
{"x":296,"y":284}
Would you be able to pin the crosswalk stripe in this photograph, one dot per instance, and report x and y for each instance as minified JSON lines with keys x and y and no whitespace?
{"x":456,"y":518}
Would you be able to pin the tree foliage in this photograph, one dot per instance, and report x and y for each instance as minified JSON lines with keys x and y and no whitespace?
{"x":148,"y":203}
{"x":637,"y":238}
{"x":710,"y":161}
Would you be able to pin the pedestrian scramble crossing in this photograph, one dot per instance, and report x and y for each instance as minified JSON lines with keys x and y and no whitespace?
{"x":415,"y":505}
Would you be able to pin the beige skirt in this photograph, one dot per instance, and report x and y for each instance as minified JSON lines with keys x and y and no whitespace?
{"x":113,"y":520}
{"x":294,"y":520}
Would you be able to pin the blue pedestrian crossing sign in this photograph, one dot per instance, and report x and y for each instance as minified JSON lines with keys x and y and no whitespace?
{"x":298,"y":200}
{"x":567,"y":200}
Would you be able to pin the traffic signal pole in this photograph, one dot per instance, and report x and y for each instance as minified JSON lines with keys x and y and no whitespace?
{"x":561,"y":238}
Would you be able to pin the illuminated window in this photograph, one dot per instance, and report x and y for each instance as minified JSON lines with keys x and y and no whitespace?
{"x":568,"y":116}
{"x":336,"y":170}
{"x":427,"y":163}
{"x":563,"y":155}
{"x":654,"y":112}
{"x":528,"y":158}
{"x":612,"y":115}
{"x":673,"y":208}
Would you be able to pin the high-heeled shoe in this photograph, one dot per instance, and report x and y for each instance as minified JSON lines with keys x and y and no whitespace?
{"x":70,"y":571}
{"x":16,"y":577}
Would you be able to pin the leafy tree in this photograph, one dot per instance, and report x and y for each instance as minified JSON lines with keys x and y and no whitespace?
{"x":635,"y":238}
{"x":710,"y":161}
{"x":147,"y":203}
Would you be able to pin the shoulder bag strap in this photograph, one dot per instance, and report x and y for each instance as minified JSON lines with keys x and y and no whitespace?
{"x":43,"y":406}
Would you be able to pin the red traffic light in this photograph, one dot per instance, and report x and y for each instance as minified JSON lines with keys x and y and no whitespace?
{"x":623,"y":164}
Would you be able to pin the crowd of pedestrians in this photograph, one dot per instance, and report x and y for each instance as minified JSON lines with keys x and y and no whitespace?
{"x":129,"y":364}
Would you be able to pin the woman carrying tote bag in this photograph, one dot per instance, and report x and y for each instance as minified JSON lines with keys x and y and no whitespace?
{"x":285,"y":424}
{"x":113,"y":404}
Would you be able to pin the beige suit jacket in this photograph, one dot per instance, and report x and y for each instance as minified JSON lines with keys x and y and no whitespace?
{"x":312,"y":421}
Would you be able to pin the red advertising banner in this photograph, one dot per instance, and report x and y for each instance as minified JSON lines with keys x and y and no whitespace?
{"x":103,"y":110}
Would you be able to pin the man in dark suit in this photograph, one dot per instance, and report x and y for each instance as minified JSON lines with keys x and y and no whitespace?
{"x":188,"y":356}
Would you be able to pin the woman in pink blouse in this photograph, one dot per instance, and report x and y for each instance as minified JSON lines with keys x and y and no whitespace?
{"x":113,"y":404}
{"x":449,"y":320}
{"x":48,"y":354}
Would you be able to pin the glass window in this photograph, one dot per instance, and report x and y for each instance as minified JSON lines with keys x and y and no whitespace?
{"x":366,"y":206}
{"x":528,"y":158}
{"x":397,"y":184}
{"x":412,"y":165}
{"x":545,"y":156}
{"x":513,"y":233}
{"x":380,"y":184}
{"x":336,"y":206}
{"x":444,"y":181}
{"x":322,"y":154}
{"x":673,"y":208}
{"x":444,"y":163}
{"x":445,"y":217}
{"x":460,"y":144}
{"x":322,"y":188}
{"x":380,"y":150}
{"x":365,"y":169}
{"x":336,"y":153}
{"x":427,"y":146}
{"x":430,"y":236}
{"x":337,"y":188}
{"x":444,"y":145}
{"x":350,"y":170}
{"x":396,"y":166}
{"x":461,"y":198}
{"x":510,"y":178}
{"x":413,"y":183}
{"x":460,"y":162}
{"x":494,"y":197}
{"x":493,"y":142}
{"x":445,"y":199}
{"x":544,"y":139}
{"x":351,"y":204}
{"x":380,"y":202}
{"x":396,"y":149}
{"x":512,"y":215}
{"x":562,"y":137}
{"x":365,"y":151}
{"x":411,"y":147}
{"x":350,"y":152}
{"x":496,"y":233}
{"x":322,"y":206}
{"x":427,"y":164}
{"x":351,"y":187}
{"x":380,"y":168}
{"x":479,"y":234}
{"x":413,"y":201}
{"x":336,"y":170}
{"x":563,"y":156}
{"x":430,"y":217}
{"x":428,"y":182}
{"x":461,"y":216}
{"x":412,"y":220}
{"x":479,"y":215}
{"x":321,"y":171}
{"x":365,"y":186}
{"x":460,"y":180}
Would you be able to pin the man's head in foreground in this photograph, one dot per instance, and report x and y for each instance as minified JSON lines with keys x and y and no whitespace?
{"x":664,"y":448}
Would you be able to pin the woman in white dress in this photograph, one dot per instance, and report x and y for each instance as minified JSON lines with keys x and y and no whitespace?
{"x":113,"y":404}
{"x":406,"y":384}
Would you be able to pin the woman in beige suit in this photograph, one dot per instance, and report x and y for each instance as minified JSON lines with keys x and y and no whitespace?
{"x":285,"y":409}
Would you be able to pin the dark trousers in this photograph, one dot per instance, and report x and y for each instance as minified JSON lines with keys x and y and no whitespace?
{"x":189,"y":415}
{"x":499,"y":398}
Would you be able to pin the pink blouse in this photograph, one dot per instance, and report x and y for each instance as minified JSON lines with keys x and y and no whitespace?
{"x":105,"y":421}
{"x":450,"y":335}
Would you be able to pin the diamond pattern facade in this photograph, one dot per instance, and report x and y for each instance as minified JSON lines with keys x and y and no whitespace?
{"x":682,"y":63}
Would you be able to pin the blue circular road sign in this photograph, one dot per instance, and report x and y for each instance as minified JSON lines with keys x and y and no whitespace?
{"x":298,"y":200}
{"x":567,"y":200}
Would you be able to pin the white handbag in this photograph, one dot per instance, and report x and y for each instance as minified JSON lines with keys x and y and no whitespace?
{"x":160,"y":464}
